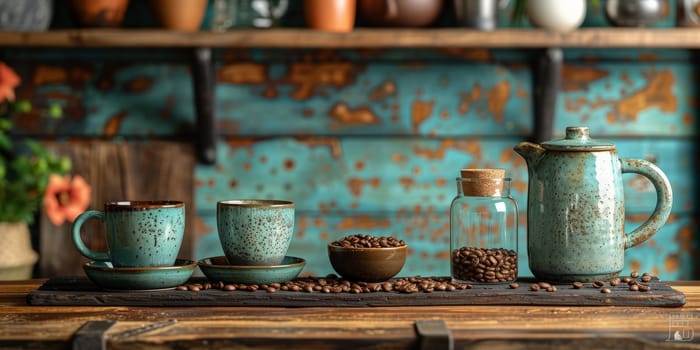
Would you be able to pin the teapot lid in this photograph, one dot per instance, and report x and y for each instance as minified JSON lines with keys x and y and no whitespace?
{"x":578,"y":139}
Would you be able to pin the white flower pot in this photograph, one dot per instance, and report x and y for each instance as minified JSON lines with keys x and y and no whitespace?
{"x":17,"y":258}
{"x":556,"y":15}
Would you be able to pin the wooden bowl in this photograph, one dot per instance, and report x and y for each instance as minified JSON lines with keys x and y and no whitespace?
{"x":367,"y":264}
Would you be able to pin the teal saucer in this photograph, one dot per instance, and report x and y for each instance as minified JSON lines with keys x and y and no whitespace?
{"x":218,"y":269}
{"x":105,"y":276}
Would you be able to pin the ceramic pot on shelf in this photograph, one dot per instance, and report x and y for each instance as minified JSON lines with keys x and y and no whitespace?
{"x":635,"y":13}
{"x":99,"y":13}
{"x":400,"y":13}
{"x":25,"y":16}
{"x":185,"y":15}
{"x":479,"y":14}
{"x":330,"y":15}
{"x":556,"y":15}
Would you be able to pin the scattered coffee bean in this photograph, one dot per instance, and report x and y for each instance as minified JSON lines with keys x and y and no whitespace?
{"x":551,"y":289}
{"x":367,"y":241}
{"x":513,"y":286}
{"x":634,"y":274}
{"x":634,"y":287}
{"x":577,"y":285}
{"x":614,"y":281}
{"x":646,"y":278}
{"x":339,"y":285}
{"x":632,"y":282}
{"x":484,"y":265}
{"x":544,"y":285}
{"x":605,"y":290}
{"x":598,"y":284}
{"x":644,"y":288}
{"x":535,"y":287}
{"x":625,"y":279}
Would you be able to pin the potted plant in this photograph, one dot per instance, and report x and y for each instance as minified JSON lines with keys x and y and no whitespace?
{"x":29,"y":176}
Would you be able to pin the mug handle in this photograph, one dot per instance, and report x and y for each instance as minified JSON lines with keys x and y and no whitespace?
{"x":78,"y":241}
{"x":664,"y":199}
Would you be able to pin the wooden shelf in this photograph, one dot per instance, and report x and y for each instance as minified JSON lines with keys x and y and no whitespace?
{"x":360,"y":38}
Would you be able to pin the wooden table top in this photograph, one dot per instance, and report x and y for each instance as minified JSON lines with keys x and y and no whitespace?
{"x":492,"y":327}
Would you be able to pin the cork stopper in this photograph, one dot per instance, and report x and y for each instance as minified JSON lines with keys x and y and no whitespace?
{"x":482,"y":182}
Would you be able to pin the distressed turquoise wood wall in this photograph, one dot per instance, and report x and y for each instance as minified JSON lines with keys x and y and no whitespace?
{"x":370,"y":141}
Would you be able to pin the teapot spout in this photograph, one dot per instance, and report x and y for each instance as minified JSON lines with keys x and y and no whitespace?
{"x":532,"y":152}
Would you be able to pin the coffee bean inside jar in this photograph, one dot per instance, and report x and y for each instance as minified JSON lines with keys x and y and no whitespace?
{"x":484,"y":265}
{"x":484,"y":228}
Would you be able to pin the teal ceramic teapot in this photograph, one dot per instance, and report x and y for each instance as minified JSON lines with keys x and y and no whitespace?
{"x":576,"y":210}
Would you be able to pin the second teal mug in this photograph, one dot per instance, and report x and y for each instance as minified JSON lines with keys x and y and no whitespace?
{"x":255,"y":231}
{"x":139,"y":233}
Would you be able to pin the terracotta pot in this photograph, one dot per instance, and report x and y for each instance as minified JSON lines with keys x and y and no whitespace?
{"x":330,"y":15}
{"x":17,"y":258}
{"x":99,"y":13}
{"x":184,"y":15}
{"x":400,"y":13}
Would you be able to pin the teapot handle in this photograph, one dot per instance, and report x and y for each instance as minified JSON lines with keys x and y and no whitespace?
{"x":664,"y":199}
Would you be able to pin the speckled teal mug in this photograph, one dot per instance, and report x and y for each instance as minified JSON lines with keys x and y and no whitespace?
{"x":139,"y":233}
{"x":255,"y":231}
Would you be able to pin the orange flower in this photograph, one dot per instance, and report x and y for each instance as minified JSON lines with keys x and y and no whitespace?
{"x":8,"y":81}
{"x":65,"y":199}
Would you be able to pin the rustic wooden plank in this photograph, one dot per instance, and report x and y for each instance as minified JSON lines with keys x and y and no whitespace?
{"x":480,"y":327}
{"x":80,"y":291}
{"x":118,"y":171}
{"x":359,"y":38}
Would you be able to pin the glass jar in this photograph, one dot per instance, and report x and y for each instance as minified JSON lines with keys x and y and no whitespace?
{"x":228,"y":14}
{"x":483,"y":228}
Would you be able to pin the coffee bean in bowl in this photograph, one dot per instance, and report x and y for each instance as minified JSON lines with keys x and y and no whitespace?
{"x":367,"y":258}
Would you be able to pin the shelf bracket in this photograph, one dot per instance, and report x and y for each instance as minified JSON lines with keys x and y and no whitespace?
{"x":547,"y":81}
{"x":203,"y":92}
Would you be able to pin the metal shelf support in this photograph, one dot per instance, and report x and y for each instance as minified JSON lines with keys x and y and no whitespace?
{"x":203,"y":92}
{"x":547,"y":82}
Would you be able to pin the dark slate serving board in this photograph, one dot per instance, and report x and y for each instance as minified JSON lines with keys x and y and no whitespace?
{"x":80,"y":291}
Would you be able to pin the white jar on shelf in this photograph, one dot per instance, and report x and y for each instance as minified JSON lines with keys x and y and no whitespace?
{"x":556,"y":15}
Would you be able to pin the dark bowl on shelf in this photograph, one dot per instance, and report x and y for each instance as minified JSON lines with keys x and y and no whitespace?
{"x":367,"y":264}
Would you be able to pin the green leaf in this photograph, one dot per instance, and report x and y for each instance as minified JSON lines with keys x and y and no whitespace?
{"x":22,"y":106}
{"x":5,"y":124}
{"x":55,"y":111}
{"x":5,"y":142}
